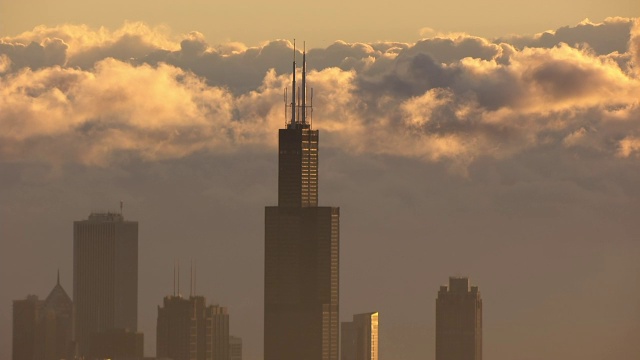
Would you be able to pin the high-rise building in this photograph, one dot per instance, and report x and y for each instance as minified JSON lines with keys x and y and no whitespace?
{"x":56,"y":325}
{"x":188,"y":329}
{"x":25,"y":324}
{"x":42,"y":328}
{"x":105,"y":276}
{"x":359,"y":338}
{"x":235,"y":348}
{"x":301,"y":248}
{"x":116,"y":344}
{"x":458,"y":321}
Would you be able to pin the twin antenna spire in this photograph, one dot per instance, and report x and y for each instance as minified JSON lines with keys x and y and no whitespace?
{"x":176,"y":279}
{"x":298,"y":104}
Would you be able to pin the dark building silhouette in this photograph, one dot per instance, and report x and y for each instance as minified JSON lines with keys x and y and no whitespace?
{"x":235,"y":348}
{"x":359,"y":338}
{"x":458,"y":321}
{"x":105,"y":276}
{"x":42,"y":329}
{"x":301,"y":249}
{"x":25,"y":323}
{"x":115,"y":344}
{"x":188,"y":329}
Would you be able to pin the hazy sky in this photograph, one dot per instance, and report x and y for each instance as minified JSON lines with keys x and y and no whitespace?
{"x":318,"y":22}
{"x":513,"y":159}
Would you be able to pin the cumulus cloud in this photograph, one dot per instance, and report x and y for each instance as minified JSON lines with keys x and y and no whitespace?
{"x":612,"y":35}
{"x":73,"y":94}
{"x":634,"y":46}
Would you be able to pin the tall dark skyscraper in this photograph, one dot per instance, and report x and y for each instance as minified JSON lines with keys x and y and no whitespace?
{"x":458,"y":321}
{"x":301,"y":248}
{"x":105,"y":276}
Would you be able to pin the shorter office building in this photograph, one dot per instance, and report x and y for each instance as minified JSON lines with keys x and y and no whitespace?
{"x":42,"y":329}
{"x":235,"y":348}
{"x":188,"y":329}
{"x":359,"y":338}
{"x":459,"y":321}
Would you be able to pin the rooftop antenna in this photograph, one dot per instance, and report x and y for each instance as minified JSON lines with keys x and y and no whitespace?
{"x":121,"y":205}
{"x":285,"y":107}
{"x":311,"y":108}
{"x":178,"y":277}
{"x":293,"y":88}
{"x":195,"y":272}
{"x":174,"y":278}
{"x":191,"y":281}
{"x":304,"y":83}
{"x":58,"y":282}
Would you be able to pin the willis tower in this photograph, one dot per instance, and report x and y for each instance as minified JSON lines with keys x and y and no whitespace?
{"x":302,"y":243}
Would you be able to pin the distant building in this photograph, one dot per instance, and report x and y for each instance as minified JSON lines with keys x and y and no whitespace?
{"x":359,"y":338}
{"x":105,"y":276}
{"x":42,"y":330}
{"x":188,"y":329}
{"x":115,"y":344}
{"x":235,"y":348}
{"x":458,"y":321}
{"x":25,"y":323}
{"x":302,"y":242}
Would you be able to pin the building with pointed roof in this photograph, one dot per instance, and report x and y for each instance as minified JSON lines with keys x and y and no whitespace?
{"x":42,"y":329}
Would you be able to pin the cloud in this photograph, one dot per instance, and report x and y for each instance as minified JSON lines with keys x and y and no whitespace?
{"x":612,"y":35}
{"x":629,"y":146}
{"x":634,"y":46}
{"x":73,"y":94}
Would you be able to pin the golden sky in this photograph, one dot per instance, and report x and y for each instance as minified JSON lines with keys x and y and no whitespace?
{"x":514,"y":161}
{"x":318,"y":22}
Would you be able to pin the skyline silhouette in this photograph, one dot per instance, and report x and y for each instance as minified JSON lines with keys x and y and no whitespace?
{"x":511,"y":160}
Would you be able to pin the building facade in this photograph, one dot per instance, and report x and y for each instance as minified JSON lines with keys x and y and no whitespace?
{"x":301,"y":249}
{"x":42,"y":329}
{"x":235,"y":348}
{"x":25,"y":323}
{"x":188,"y":329}
{"x":105,"y":276}
{"x":459,"y":321}
{"x":115,"y":344}
{"x":359,"y":338}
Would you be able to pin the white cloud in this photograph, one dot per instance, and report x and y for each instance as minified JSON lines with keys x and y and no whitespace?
{"x":73,"y":94}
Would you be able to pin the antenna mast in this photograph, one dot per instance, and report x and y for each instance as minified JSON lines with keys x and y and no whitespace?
{"x":285,"y":107}
{"x":293,"y":89}
{"x":304,"y":83}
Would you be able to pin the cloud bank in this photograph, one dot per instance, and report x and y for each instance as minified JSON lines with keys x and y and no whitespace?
{"x":72,"y":94}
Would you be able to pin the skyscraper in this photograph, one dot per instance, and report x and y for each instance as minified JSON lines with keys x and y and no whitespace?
{"x":301,"y":248}
{"x":235,"y":348}
{"x":42,"y":328}
{"x":458,"y":321}
{"x":188,"y":329}
{"x":105,"y":276}
{"x":55,"y":325}
{"x":359,"y":338}
{"x":25,"y":324}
